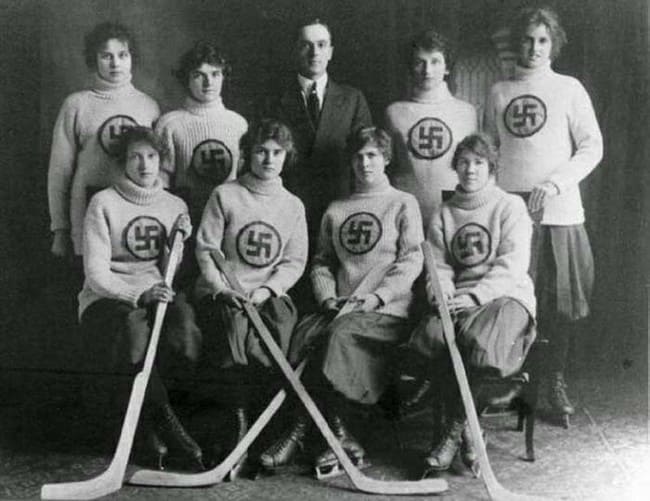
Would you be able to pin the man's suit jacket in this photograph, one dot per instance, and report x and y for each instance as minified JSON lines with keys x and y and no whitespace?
{"x":322,"y":172}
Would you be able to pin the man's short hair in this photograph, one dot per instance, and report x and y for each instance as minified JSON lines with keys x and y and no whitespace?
{"x":311,"y":22}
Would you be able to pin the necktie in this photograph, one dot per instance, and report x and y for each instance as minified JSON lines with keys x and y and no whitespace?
{"x":313,"y":105}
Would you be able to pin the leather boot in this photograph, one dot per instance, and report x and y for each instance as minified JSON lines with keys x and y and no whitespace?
{"x":441,"y":456}
{"x":171,"y":430}
{"x":327,"y":462}
{"x":282,"y":451}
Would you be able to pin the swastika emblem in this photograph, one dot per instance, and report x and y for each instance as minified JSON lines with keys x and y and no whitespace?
{"x":430,"y":138}
{"x":471,"y":245}
{"x":258,"y":244}
{"x":212,"y":161}
{"x":111,"y":130}
{"x":360,"y":232}
{"x":144,"y":237}
{"x":525,"y":115}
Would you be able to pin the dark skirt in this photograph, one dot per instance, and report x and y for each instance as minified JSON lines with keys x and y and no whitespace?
{"x":562,"y":267}
{"x":494,"y":338}
{"x":229,"y":339}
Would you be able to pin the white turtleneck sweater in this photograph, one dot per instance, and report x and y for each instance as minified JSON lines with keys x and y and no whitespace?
{"x":82,"y":158}
{"x":203,"y":141}
{"x":425,"y":133}
{"x":126,"y":229}
{"x":481,"y":242}
{"x":547,"y":130}
{"x":261,"y":229}
{"x":377,"y":229}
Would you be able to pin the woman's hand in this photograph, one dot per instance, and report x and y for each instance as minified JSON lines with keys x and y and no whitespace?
{"x":260,"y":295}
{"x":461,"y":302}
{"x":540,"y":194}
{"x":160,"y":292}
{"x":184,"y":225}
{"x":366,"y":302}
{"x":232,"y":298}
{"x":61,"y":244}
{"x":334,"y":303}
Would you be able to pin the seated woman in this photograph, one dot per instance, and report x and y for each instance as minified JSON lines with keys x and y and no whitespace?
{"x":368,"y":253}
{"x":261,"y":230}
{"x":126,"y":237}
{"x":481,"y":239}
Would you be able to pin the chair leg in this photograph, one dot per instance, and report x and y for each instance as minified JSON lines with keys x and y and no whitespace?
{"x":531,"y":413}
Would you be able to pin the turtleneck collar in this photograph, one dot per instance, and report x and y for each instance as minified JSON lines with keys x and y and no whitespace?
{"x":266,"y":187}
{"x":523,"y":73}
{"x":108,"y":89}
{"x":137,"y":194}
{"x":199,"y":108}
{"x":440,"y":93}
{"x":476,"y":199}
{"x":379,"y":186}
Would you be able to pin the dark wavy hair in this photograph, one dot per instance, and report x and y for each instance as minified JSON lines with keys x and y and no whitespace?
{"x":136,"y":134}
{"x":203,"y":51}
{"x":261,"y":131}
{"x":544,"y":15}
{"x":480,"y":144}
{"x":374,"y":136}
{"x":430,"y":40}
{"x":102,"y":33}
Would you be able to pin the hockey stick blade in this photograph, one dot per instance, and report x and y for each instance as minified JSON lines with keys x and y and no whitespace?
{"x":112,"y":478}
{"x":358,"y":479}
{"x":495,"y":490}
{"x":219,"y":473}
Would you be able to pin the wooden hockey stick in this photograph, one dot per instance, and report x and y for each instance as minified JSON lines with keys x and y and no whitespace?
{"x":360,"y":481}
{"x":113,"y":477}
{"x":495,"y":490}
{"x":219,"y":472}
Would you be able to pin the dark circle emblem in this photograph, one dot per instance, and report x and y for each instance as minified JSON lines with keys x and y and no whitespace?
{"x":360,"y":232}
{"x":110,"y":131}
{"x":258,"y":244}
{"x":144,"y":237}
{"x":471,"y":245}
{"x":212,"y":161}
{"x":525,"y":115}
{"x":430,"y":138}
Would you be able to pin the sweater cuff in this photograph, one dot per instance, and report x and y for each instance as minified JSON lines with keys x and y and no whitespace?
{"x":132,"y":295}
{"x":323,"y":288}
{"x":384,"y":295}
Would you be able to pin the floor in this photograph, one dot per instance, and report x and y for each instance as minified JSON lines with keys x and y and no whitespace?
{"x":46,"y":435}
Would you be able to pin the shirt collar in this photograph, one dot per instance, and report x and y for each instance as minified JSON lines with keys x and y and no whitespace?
{"x":306,"y":84}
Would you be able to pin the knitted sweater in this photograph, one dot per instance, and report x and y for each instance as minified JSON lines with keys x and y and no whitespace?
{"x":547,"y":130}
{"x":82,"y":158}
{"x":261,"y":229}
{"x":376,"y":228}
{"x":482,"y":242}
{"x":125,"y":237}
{"x":425,"y":135}
{"x":203,"y":141}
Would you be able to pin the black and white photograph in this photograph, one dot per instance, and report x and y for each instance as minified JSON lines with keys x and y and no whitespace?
{"x":325,"y":250}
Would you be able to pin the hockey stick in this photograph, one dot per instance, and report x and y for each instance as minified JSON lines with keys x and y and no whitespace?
{"x":495,"y":490}
{"x":360,"y":481}
{"x":112,"y":478}
{"x":219,"y":472}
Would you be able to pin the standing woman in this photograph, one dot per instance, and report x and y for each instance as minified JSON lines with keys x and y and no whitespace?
{"x":83,"y":158}
{"x":127,"y":230}
{"x":549,"y":142}
{"x":261,"y":229}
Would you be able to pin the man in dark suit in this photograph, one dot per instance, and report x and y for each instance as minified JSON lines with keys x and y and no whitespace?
{"x":321,"y":114}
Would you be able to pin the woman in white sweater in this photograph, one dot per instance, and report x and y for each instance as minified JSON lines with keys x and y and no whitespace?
{"x":83,"y":158}
{"x":481,"y":241}
{"x":549,"y":142}
{"x":127,"y":231}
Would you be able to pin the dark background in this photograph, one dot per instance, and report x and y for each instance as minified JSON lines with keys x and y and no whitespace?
{"x":41,"y":62}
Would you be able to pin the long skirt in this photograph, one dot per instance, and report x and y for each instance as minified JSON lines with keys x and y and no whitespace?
{"x":493,"y":339}
{"x":356,"y":350}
